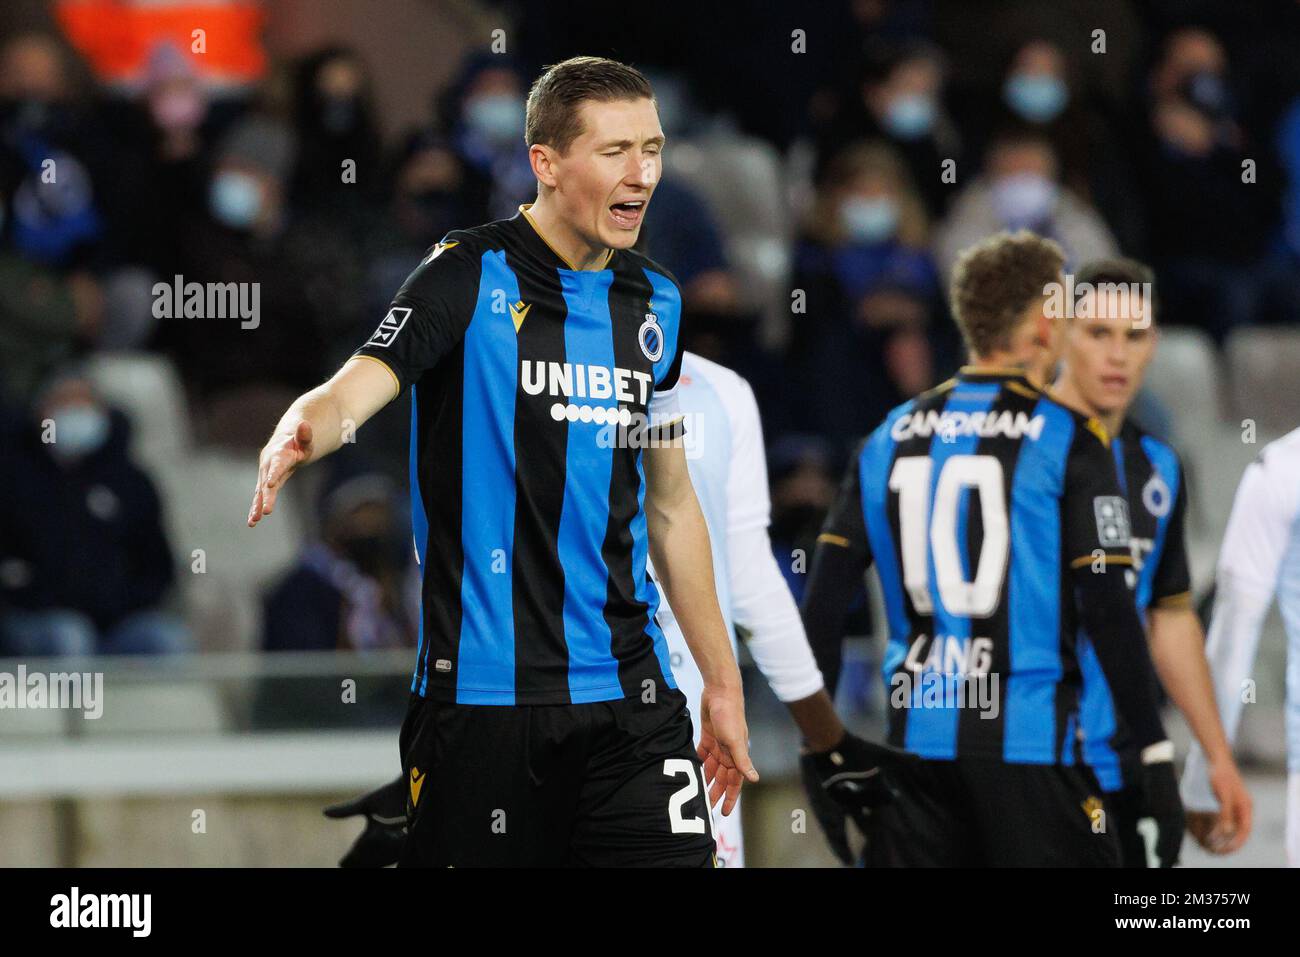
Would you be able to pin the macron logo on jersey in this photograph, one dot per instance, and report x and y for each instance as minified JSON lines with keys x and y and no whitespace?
{"x":951,"y":424}
{"x":390,"y":327}
{"x":437,"y":251}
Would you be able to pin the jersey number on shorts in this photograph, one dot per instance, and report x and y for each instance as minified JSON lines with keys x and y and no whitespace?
{"x":679,"y":824}
{"x":911,"y":480}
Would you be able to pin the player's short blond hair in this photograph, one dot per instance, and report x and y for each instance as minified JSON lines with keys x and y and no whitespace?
{"x":552,"y":117}
{"x":995,"y":281}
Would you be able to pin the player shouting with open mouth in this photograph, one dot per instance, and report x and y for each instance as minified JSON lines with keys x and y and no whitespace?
{"x":542,"y":354}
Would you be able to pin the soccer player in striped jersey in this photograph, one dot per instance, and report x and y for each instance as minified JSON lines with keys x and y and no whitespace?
{"x":725,"y":456}
{"x":542,"y":354}
{"x":994,"y":518}
{"x":1259,"y":560}
{"x":1112,"y":338}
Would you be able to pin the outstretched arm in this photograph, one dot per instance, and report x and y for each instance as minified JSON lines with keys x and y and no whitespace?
{"x":317,"y":423}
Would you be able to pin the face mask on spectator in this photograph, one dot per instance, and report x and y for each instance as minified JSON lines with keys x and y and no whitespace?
{"x":1024,"y":199}
{"x":869,"y":220}
{"x":498,"y":117}
{"x":78,"y":431}
{"x":236,"y":199}
{"x":1036,"y":97}
{"x":910,"y":116}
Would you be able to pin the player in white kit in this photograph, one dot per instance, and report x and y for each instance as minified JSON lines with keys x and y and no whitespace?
{"x":1260,"y":558}
{"x":728,"y":467}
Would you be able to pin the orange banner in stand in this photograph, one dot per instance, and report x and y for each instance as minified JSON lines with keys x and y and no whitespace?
{"x":117,"y":36}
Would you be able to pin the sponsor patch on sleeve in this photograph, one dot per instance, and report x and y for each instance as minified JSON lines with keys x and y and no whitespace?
{"x":1111,"y":512}
{"x":390,"y":326}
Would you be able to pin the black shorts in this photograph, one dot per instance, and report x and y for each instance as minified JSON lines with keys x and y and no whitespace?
{"x":982,"y":813}
{"x":1125,"y":807}
{"x":604,"y":784}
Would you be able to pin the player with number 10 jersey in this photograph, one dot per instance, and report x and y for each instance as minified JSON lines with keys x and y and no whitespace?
{"x":994,"y":518}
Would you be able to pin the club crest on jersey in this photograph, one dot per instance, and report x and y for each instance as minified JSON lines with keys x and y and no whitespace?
{"x":1111,"y":512}
{"x":651,"y":337}
{"x":1156,"y":496}
{"x":390,"y":326}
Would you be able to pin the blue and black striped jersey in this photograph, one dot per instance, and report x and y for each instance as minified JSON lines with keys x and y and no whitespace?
{"x":1152,"y":481}
{"x":979,"y":503}
{"x":534,"y":387}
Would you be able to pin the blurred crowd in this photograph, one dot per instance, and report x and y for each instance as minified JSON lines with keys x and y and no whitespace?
{"x":812,"y":233}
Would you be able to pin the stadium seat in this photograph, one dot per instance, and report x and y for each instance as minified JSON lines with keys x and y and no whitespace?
{"x":1185,"y":376}
{"x":157,"y":707}
{"x":224,"y":613}
{"x":21,"y":725}
{"x":147,"y":388}
{"x":1264,"y":376}
{"x":750,"y":203}
{"x":208,"y":493}
{"x":1215,"y":457}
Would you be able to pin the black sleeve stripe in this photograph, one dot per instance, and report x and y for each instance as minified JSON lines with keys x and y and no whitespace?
{"x":667,"y":431}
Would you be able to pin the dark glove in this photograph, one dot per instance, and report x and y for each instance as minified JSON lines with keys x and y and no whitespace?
{"x":830,"y":815}
{"x":380,"y":844}
{"x":849,"y":780}
{"x":1159,"y":790}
